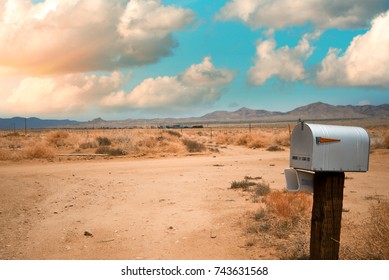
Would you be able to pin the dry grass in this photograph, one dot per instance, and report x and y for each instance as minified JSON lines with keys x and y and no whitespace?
{"x":193,"y":146}
{"x":257,"y":189}
{"x":132,"y":142}
{"x":282,"y":222}
{"x":39,"y":151}
{"x":258,"y":138}
{"x":244,"y":185}
{"x":369,"y":240}
{"x":291,"y":206}
{"x":57,"y":138}
{"x":379,"y":138}
{"x":156,"y":142}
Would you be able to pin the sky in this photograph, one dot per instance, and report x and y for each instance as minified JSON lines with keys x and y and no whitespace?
{"x":120,"y":59}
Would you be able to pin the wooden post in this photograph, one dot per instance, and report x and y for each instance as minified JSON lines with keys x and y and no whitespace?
{"x":326,"y":215}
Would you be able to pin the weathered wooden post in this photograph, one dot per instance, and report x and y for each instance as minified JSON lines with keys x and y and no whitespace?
{"x":319,"y":156}
{"x":326,"y":215}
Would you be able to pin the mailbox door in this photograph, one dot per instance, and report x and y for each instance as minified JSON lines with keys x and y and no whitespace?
{"x":301,"y":147}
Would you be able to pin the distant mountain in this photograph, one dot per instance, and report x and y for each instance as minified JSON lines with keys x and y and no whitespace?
{"x":21,"y":123}
{"x":241,"y":114}
{"x":319,"y":110}
{"x":314,"y":111}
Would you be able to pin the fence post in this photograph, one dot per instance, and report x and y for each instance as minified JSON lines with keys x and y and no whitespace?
{"x":326,"y":215}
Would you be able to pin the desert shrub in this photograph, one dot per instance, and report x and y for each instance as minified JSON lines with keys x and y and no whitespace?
{"x":148,"y":142}
{"x":223,"y":139}
{"x":252,"y":140}
{"x":276,"y":226}
{"x":110,"y":151}
{"x":103,"y":141}
{"x":193,"y":146}
{"x":252,"y":178}
{"x":259,"y":214}
{"x":379,"y":139}
{"x":289,"y":205}
{"x":245,"y":185}
{"x":244,"y":140}
{"x":274,"y":149}
{"x":57,"y":138}
{"x":213,"y":149}
{"x":88,"y":145}
{"x":160,"y":144}
{"x":39,"y":150}
{"x":369,"y":240}
{"x":256,"y":144}
{"x":377,"y":231}
{"x":262,"y":189}
{"x":282,"y":139}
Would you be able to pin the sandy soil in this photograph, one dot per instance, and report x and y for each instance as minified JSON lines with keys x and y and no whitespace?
{"x":161,"y":208}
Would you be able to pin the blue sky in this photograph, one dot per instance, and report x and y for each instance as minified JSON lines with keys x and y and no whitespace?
{"x":82,"y":59}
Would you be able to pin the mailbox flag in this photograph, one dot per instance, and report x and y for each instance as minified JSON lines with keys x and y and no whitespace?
{"x":320,"y":140}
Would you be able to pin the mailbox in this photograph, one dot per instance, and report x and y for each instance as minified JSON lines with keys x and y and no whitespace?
{"x":319,"y":147}
{"x":316,"y":147}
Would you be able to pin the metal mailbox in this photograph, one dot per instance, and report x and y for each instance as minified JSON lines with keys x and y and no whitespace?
{"x":319,"y":147}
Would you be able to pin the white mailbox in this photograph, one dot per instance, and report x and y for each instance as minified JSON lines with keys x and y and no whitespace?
{"x":316,"y":147}
{"x":319,"y":147}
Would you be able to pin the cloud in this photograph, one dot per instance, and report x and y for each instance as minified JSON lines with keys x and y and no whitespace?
{"x":364,"y":63}
{"x":69,"y":93}
{"x":285,"y":63}
{"x":324,"y":14}
{"x":198,"y":85}
{"x":206,"y":75}
{"x":364,"y":102}
{"x":57,"y":36}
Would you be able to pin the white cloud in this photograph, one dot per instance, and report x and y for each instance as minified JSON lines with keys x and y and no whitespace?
{"x":85,"y":35}
{"x":206,"y":75}
{"x":364,"y":63}
{"x":198,"y":85}
{"x":285,"y":63}
{"x":324,"y":14}
{"x":364,"y":102}
{"x":70,"y":93}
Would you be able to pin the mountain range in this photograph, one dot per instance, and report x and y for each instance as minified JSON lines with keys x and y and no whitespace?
{"x":314,"y":111}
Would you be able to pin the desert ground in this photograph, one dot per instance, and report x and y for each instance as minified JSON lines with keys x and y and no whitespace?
{"x":171,"y":203}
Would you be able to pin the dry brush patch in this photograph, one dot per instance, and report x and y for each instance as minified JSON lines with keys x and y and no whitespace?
{"x":46,"y":144}
{"x":138,"y":142}
{"x":39,"y":151}
{"x":370,"y":239}
{"x":282,"y":224}
{"x":379,"y":137}
{"x":258,"y":138}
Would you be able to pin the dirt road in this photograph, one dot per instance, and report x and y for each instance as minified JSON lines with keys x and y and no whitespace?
{"x":162,"y":208}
